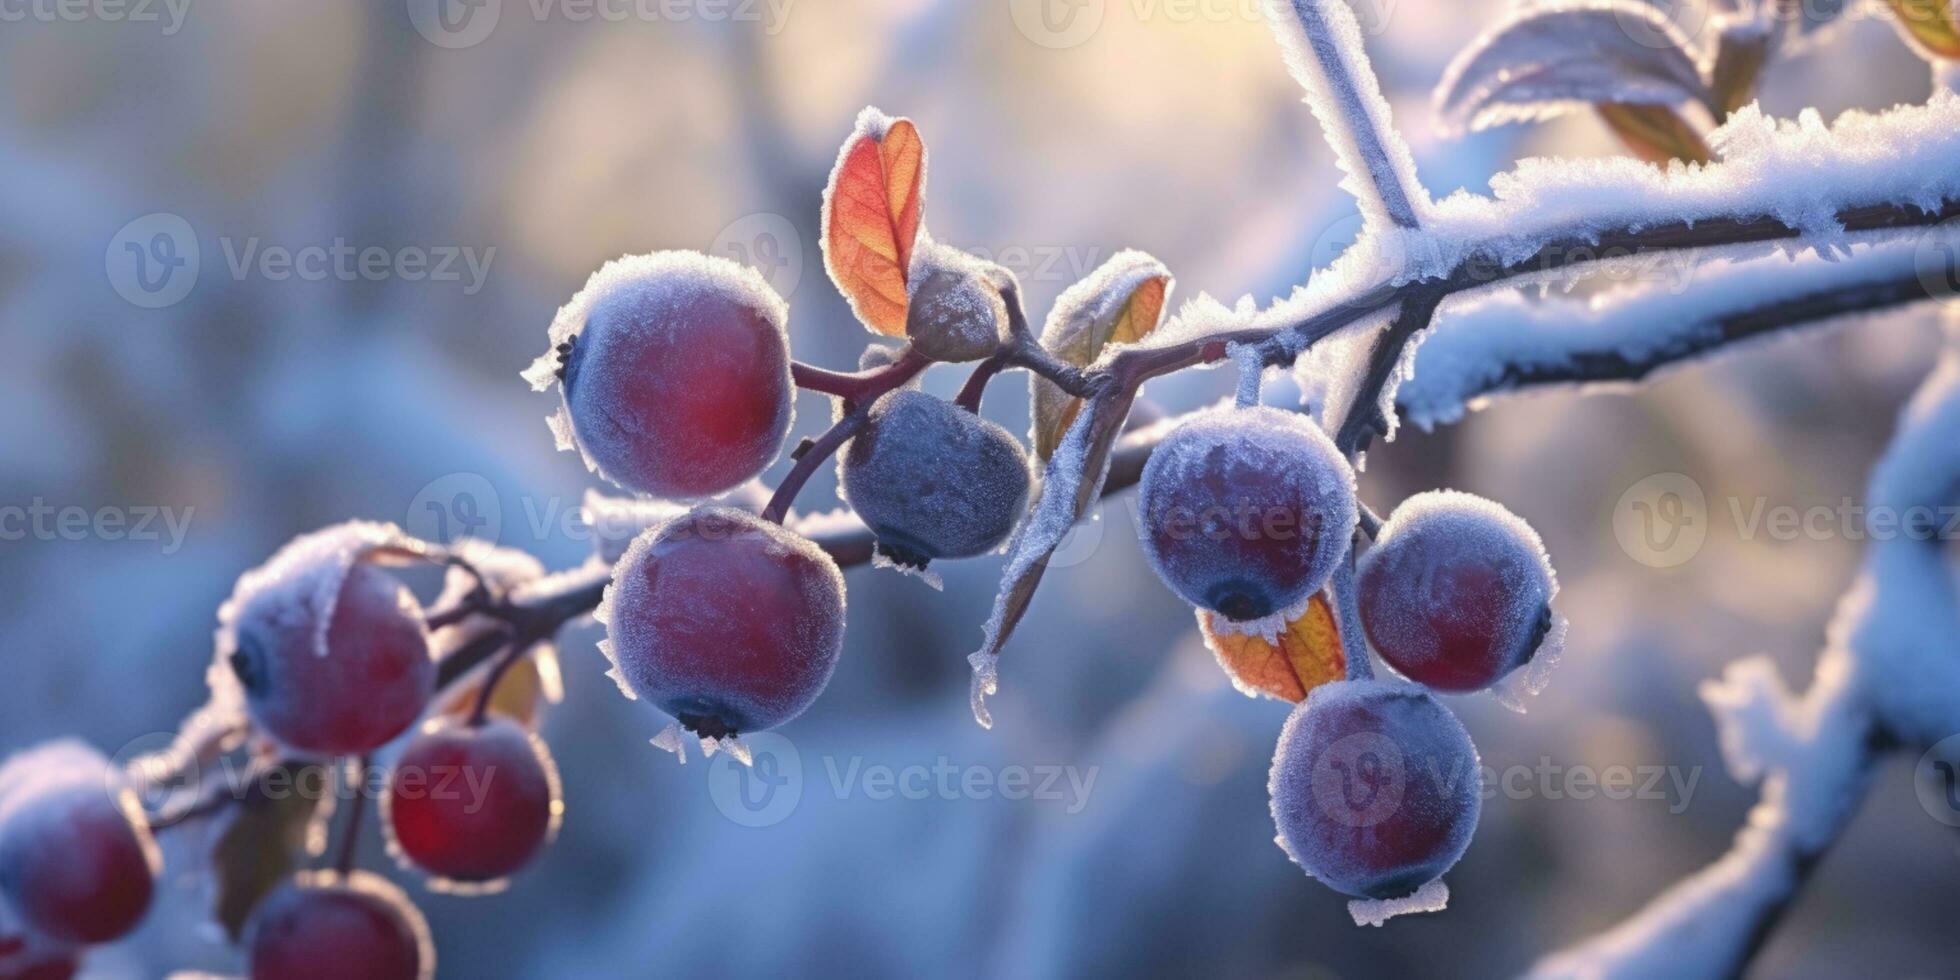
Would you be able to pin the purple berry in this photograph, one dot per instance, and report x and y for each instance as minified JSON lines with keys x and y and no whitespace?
{"x":351,"y":690}
{"x":933,"y":480}
{"x":77,"y":862}
{"x":325,"y":926}
{"x":1456,"y":592}
{"x":1246,"y":511}
{"x":473,"y":803}
{"x":675,"y":370}
{"x":1375,"y":788}
{"x":727,"y":622}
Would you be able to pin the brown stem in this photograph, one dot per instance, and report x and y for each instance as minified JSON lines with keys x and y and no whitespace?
{"x":859,"y":386}
{"x":350,"y":837}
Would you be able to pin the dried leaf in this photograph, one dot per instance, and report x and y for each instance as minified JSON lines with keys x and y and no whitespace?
{"x":1930,"y":25}
{"x":521,"y":695}
{"x":1739,"y":60}
{"x":1553,"y":57}
{"x":1120,"y":303}
{"x":871,"y":214}
{"x":1655,"y":133}
{"x":1305,"y":655}
{"x":262,"y":843}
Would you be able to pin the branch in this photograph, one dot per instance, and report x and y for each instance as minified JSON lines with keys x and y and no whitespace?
{"x":1323,"y":48}
{"x":1506,"y":342}
{"x":1884,"y":679}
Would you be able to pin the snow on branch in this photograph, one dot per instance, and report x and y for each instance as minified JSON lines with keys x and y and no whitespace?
{"x":1885,"y":674}
{"x":1509,"y":341}
{"x":1323,"y":46}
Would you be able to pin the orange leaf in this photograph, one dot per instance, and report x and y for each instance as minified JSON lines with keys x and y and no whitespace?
{"x":1120,"y":303}
{"x":1307,"y":655}
{"x":871,"y":214}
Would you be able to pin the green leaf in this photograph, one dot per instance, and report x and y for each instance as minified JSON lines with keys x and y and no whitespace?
{"x":262,"y":845}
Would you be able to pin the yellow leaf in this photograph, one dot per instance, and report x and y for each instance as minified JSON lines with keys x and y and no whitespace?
{"x":1655,"y":133}
{"x":1929,"y":25}
{"x":526,"y":688}
{"x":871,"y":214}
{"x":1306,"y":655}
{"x":1120,"y":303}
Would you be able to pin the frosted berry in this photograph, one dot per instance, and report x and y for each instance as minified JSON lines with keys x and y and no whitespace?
{"x":675,"y":370}
{"x":473,"y":804}
{"x":956,"y":311}
{"x":1456,"y":592}
{"x":329,"y":927}
{"x":727,"y":622}
{"x":77,"y":863}
{"x":933,"y":480}
{"x":353,"y":690}
{"x":1246,"y":511}
{"x":1375,"y":788}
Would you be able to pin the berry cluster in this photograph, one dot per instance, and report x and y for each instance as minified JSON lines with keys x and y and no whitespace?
{"x":1248,"y":514}
{"x":675,"y":382}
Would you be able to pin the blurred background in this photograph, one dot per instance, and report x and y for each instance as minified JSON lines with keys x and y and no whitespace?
{"x":248,"y":399}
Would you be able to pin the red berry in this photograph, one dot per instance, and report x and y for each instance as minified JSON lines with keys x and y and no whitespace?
{"x":676,"y":377}
{"x":1375,"y":788}
{"x":1456,"y":592}
{"x":77,"y":863}
{"x":1246,"y":511}
{"x":325,"y":926}
{"x":473,"y":804}
{"x":727,"y":622}
{"x":370,"y":681}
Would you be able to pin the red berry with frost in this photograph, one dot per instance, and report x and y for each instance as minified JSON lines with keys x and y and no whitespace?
{"x":77,"y":862}
{"x":473,"y":803}
{"x":326,"y":926}
{"x":727,"y":622}
{"x":1456,"y":591}
{"x":675,"y":373}
{"x":1376,"y":788}
{"x":1246,"y":511}
{"x":353,"y":689}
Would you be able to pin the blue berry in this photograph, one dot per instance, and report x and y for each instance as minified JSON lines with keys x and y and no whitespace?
{"x":1246,"y":511}
{"x":933,"y":480}
{"x":1376,"y":788}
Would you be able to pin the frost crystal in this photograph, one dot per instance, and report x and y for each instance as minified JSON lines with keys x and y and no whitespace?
{"x":1432,"y":897}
